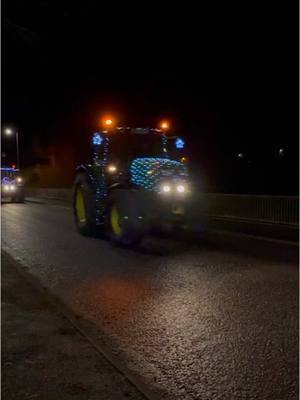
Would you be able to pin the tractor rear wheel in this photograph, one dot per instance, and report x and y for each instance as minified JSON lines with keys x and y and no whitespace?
{"x":84,"y":205}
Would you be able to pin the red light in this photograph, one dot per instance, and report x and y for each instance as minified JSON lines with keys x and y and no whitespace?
{"x":13,"y":166}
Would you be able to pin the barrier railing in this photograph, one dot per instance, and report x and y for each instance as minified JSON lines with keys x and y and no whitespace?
{"x":271,"y":209}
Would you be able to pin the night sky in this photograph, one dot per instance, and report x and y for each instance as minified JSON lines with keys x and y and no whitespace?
{"x":226,"y":75}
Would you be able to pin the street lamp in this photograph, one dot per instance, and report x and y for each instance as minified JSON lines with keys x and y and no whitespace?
{"x":281,"y":152}
{"x":9,"y":132}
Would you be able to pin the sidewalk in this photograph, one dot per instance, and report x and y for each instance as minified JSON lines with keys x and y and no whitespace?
{"x":44,"y":356}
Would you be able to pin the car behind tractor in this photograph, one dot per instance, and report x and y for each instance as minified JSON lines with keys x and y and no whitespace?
{"x":12,"y":185}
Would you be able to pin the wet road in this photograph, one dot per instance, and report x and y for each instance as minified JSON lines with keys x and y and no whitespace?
{"x":193,"y":322}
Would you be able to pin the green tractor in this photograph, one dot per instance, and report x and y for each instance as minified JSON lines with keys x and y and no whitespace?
{"x":131,"y":185}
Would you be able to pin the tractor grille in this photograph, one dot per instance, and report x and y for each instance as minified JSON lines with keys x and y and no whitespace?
{"x":149,"y":172}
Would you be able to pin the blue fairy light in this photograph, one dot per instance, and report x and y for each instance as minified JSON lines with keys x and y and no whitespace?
{"x":148,"y":172}
{"x":97,"y":139}
{"x":179,"y":143}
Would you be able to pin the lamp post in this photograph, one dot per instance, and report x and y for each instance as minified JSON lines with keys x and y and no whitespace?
{"x":9,"y":132}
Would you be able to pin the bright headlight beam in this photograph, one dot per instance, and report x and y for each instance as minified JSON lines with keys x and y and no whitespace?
{"x":112,"y":168}
{"x":166,"y":188}
{"x":180,"y":188}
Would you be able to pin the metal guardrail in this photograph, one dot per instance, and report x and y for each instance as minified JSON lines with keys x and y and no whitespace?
{"x":264,"y":209}
{"x":267,"y":209}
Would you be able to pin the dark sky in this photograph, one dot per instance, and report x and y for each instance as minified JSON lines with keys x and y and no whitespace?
{"x":226,"y":74}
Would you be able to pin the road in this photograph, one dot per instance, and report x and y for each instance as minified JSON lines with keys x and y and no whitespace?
{"x":193,"y":322}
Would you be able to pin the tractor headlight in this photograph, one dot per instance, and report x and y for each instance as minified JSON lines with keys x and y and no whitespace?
{"x":166,"y":188}
{"x":111,"y":168}
{"x":181,"y":188}
{"x":174,"y":188}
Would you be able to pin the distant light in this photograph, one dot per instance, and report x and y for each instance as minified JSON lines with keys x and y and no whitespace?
{"x":97,"y":139}
{"x":13,"y":166}
{"x":12,"y":187}
{"x":8,"y":131}
{"x":164,"y":150}
{"x":281,"y":152}
{"x":6,"y":187}
{"x":108,"y":122}
{"x":165,"y":125}
{"x":240,"y":155}
{"x":179,"y":143}
{"x":111,"y":168}
{"x":19,"y":179}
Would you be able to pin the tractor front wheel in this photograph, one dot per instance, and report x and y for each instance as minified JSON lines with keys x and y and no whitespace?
{"x":125,"y":220}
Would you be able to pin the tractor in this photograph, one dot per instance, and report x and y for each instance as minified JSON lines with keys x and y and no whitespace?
{"x":131,"y":186}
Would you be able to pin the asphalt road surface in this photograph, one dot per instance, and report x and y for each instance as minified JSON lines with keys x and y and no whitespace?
{"x":193,"y":322}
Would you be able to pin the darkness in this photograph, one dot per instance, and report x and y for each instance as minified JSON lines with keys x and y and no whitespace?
{"x":225,"y":75}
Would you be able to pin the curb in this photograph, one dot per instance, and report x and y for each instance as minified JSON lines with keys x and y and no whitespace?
{"x":62,"y":308}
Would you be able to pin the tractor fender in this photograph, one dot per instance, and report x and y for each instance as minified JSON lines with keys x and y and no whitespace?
{"x":84,"y":169}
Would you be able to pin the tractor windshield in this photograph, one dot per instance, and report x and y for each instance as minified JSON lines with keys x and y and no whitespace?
{"x":127,"y":147}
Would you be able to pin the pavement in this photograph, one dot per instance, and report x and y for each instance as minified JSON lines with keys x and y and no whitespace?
{"x":184,"y":319}
{"x":43,"y":355}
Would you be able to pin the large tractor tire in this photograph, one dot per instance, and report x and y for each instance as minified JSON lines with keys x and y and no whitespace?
{"x":84,"y":205}
{"x":125,"y":220}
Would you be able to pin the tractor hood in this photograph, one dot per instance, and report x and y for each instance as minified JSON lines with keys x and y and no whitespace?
{"x":149,"y":172}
